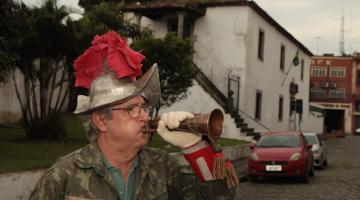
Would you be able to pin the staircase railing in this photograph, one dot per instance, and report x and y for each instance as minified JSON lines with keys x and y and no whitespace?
{"x":253,"y":119}
{"x":217,"y":75}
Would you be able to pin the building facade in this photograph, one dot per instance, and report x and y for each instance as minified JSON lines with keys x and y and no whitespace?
{"x":356,"y":93}
{"x":332,"y":86}
{"x":240,"y":40}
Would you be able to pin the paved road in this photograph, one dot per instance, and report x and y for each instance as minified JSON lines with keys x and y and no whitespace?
{"x":340,"y":180}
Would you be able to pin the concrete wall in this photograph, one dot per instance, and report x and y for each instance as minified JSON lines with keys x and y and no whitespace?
{"x":18,"y":185}
{"x":10,"y":110}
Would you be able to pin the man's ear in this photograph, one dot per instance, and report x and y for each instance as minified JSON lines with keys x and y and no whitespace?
{"x":99,"y":121}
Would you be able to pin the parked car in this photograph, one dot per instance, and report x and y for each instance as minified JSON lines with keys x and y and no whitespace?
{"x":319,"y":149}
{"x":285,"y":153}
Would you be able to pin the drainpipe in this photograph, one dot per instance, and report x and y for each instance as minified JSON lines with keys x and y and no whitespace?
{"x":181,"y":17}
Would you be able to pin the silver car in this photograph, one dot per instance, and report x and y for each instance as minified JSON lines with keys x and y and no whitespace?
{"x":319,"y":149}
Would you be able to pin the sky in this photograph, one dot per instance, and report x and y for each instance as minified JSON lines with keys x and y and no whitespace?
{"x":314,"y":23}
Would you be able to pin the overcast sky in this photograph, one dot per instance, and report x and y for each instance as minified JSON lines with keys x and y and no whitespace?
{"x":315,"y":23}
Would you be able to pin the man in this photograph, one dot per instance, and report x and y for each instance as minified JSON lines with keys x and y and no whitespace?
{"x":116,"y":164}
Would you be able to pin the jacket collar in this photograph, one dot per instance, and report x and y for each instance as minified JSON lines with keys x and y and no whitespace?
{"x":91,"y":157}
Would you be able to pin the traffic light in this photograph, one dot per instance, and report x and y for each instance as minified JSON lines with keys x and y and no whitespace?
{"x":299,"y":106}
{"x":296,"y":105}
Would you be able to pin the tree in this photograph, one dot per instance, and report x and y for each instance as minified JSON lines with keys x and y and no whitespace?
{"x":103,"y":17}
{"x":174,"y":58}
{"x":11,"y":22}
{"x":43,"y":45}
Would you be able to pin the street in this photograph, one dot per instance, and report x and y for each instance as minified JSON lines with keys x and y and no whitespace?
{"x":339,"y":180}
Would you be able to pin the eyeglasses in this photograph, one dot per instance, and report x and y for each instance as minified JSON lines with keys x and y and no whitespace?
{"x":134,"y":109}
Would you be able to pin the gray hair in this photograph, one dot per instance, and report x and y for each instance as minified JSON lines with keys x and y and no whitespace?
{"x":91,"y":130}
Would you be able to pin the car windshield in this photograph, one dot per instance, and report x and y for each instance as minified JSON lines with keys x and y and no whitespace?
{"x":311,"y":139}
{"x":279,"y":141}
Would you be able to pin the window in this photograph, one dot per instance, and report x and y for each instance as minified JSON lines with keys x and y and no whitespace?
{"x":258,"y":105}
{"x":172,"y":26}
{"x":318,"y":71}
{"x":188,"y":28}
{"x":261,"y":45}
{"x":357,"y":104}
{"x":302,"y":70}
{"x":317,"y":93}
{"x":282,"y":58}
{"x":281,"y":105}
{"x":337,"y":94}
{"x":337,"y":72}
{"x":358,"y":78}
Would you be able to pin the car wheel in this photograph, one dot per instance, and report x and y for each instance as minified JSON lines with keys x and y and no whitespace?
{"x":305,"y":178}
{"x":311,"y":171}
{"x":321,"y":166}
{"x":253,"y":178}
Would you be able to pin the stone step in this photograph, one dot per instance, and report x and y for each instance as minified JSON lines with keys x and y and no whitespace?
{"x":238,"y":119}
{"x":241,"y":125}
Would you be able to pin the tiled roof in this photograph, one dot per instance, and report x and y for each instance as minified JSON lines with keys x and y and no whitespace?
{"x":198,"y":8}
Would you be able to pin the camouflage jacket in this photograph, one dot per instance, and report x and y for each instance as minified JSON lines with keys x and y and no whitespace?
{"x":82,"y":175}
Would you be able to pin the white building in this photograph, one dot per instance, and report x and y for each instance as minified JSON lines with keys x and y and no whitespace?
{"x":240,"y":39}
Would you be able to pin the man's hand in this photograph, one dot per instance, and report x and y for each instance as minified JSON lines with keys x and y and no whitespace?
{"x":172,"y":120}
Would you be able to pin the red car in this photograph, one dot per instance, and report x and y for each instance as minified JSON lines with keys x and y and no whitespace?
{"x":283,"y":153}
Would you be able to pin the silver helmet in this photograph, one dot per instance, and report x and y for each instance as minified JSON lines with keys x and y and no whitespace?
{"x":107,"y":90}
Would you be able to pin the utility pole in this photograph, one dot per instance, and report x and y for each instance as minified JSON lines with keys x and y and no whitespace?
{"x":342,"y":34}
{"x":317,"y":44}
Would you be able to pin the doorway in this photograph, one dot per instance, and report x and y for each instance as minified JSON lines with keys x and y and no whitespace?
{"x":334,"y":120}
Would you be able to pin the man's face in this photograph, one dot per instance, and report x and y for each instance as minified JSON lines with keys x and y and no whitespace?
{"x":127,"y":123}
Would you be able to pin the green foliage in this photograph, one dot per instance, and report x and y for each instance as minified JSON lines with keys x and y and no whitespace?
{"x":40,"y":46}
{"x":174,"y":58}
{"x":11,"y":24}
{"x":103,"y":17}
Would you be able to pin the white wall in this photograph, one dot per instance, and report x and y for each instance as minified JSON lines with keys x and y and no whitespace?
{"x":10,"y":111}
{"x":266,"y":75}
{"x":315,"y":121}
{"x":199,"y":101}
{"x":220,"y":43}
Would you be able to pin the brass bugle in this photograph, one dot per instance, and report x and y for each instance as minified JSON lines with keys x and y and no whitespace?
{"x":209,"y":124}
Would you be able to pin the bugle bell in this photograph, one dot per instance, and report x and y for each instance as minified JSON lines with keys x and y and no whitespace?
{"x":209,"y":124}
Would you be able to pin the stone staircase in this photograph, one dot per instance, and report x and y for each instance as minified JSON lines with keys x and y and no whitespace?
{"x":239,"y":121}
{"x":209,"y":87}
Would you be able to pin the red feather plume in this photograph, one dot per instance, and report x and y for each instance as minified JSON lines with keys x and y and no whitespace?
{"x":108,"y":49}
